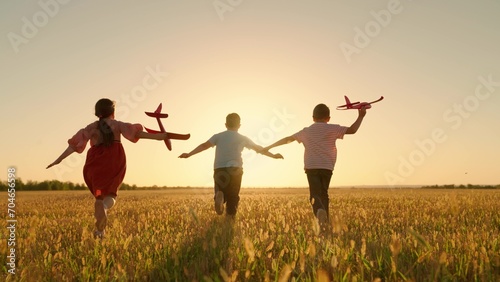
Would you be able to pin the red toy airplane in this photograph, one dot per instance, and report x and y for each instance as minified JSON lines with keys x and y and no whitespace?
{"x":357,"y":105}
{"x":158,"y":115}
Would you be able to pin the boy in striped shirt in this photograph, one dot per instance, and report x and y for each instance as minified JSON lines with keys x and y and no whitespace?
{"x":320,"y":154}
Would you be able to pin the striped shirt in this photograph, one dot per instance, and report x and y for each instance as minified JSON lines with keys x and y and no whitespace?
{"x":319,"y":143}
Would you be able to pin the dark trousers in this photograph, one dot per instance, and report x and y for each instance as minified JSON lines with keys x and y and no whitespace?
{"x":319,"y":181}
{"x":228,"y":181}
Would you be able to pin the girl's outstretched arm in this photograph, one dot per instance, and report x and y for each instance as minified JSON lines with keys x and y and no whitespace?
{"x":142,"y":135}
{"x":154,"y":136}
{"x":64,"y":155}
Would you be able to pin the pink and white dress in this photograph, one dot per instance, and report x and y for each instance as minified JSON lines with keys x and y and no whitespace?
{"x":105,"y":166}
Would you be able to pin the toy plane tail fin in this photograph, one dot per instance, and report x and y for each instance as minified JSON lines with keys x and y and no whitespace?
{"x":158,"y":110}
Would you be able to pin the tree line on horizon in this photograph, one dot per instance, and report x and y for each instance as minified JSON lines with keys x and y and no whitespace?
{"x":56,"y":185}
{"x":468,"y":186}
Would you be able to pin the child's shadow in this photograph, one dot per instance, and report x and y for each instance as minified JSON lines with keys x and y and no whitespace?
{"x":201,"y":254}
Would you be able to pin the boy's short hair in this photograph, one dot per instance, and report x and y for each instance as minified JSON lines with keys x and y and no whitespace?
{"x":321,"y":111}
{"x":233,"y":120}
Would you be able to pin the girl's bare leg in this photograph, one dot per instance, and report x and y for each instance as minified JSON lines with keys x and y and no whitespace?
{"x":101,"y":214}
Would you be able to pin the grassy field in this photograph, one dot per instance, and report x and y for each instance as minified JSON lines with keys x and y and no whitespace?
{"x":175,"y":235}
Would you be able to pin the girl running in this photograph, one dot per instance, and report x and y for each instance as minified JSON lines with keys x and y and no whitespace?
{"x":105,"y":165}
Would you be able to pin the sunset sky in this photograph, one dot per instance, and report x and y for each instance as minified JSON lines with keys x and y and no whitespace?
{"x":437,"y":63}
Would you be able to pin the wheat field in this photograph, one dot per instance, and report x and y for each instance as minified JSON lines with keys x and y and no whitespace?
{"x":175,"y":235}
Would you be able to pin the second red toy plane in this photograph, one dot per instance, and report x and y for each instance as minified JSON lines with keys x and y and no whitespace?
{"x":357,"y":105}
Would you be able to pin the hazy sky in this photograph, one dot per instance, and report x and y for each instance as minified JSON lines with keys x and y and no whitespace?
{"x":437,"y":63}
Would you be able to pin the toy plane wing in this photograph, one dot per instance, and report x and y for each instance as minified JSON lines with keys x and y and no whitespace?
{"x":177,"y":136}
{"x":171,"y":135}
{"x":157,"y":115}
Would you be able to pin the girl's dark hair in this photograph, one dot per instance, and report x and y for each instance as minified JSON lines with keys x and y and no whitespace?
{"x":103,"y":109}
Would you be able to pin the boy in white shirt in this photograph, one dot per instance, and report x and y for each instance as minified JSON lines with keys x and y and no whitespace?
{"x":228,"y":164}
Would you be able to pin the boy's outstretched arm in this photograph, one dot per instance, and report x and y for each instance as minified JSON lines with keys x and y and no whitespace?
{"x":263,"y":151}
{"x":202,"y":147}
{"x":283,"y":141}
{"x":355,"y":126}
{"x":64,"y":155}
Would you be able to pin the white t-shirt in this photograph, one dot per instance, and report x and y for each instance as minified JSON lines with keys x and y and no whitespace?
{"x":319,"y":142}
{"x":229,"y":145}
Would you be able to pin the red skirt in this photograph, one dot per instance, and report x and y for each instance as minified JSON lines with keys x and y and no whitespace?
{"x":104,"y":169}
